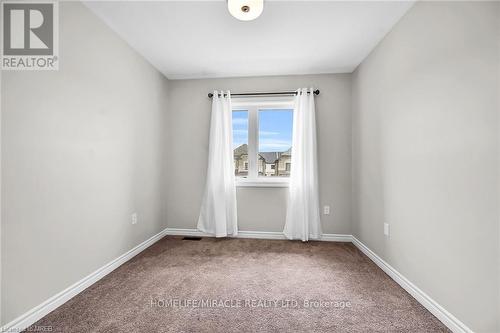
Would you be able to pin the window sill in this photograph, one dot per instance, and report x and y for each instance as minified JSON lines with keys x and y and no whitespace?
{"x":262,"y":183}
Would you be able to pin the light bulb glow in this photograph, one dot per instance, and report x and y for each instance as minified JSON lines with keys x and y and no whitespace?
{"x":245,"y":10}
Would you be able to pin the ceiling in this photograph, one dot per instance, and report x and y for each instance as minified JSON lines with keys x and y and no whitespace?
{"x":200,"y":39}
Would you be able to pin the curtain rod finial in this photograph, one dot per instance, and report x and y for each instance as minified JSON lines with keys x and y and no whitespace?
{"x":316,"y":92}
{"x":210,"y":95}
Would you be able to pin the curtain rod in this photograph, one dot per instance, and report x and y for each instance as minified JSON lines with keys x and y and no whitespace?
{"x":282,"y":93}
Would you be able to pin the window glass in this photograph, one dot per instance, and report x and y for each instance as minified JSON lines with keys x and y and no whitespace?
{"x":240,"y":143}
{"x":275,"y":142}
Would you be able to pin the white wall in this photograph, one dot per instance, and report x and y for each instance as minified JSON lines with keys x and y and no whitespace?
{"x":81,"y":151}
{"x":259,"y":209}
{"x":425,"y":155}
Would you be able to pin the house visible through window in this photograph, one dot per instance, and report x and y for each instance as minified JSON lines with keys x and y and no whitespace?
{"x":262,"y":140}
{"x":240,"y":142}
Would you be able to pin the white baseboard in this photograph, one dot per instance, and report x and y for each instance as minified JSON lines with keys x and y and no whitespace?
{"x":32,"y":316}
{"x":241,"y":234}
{"x":255,"y":235}
{"x":335,"y":238}
{"x":261,"y":234}
{"x":437,"y":310}
{"x":38,"y":312}
{"x":185,"y":232}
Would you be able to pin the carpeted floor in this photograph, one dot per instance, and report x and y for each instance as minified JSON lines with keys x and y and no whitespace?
{"x":244,"y":285}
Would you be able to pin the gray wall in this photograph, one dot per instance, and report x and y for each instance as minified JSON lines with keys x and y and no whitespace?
{"x":498,"y":153}
{"x":425,"y":155}
{"x":79,"y":155}
{"x":259,"y":209}
{"x":1,"y":246}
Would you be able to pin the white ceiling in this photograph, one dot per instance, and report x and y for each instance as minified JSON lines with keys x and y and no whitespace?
{"x":200,"y":39}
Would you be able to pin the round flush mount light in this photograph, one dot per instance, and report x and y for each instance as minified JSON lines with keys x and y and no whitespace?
{"x":245,"y":10}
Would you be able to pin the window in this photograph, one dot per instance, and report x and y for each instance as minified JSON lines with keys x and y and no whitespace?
{"x":275,"y":141}
{"x":240,"y":143}
{"x":262,"y":141}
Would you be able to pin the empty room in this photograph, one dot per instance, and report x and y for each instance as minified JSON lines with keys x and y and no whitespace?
{"x":250,"y":166}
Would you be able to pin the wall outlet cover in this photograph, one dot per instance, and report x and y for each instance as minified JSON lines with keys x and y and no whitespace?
{"x":386,"y":229}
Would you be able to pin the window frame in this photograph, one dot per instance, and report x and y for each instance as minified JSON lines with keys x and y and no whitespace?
{"x":253,"y":105}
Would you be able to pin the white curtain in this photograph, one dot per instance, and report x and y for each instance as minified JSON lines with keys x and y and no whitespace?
{"x":218,"y":210}
{"x":303,"y":215}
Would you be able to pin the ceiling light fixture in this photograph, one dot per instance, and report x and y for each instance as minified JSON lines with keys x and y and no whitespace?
{"x":245,"y":10}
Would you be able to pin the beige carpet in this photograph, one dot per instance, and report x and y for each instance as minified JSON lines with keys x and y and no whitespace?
{"x":243,"y":285}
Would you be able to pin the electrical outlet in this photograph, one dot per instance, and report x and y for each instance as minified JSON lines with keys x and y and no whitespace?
{"x":134,"y":218}
{"x":326,"y":210}
{"x":386,"y":229}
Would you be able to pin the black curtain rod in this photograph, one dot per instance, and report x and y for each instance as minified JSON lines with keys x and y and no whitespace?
{"x":282,"y":93}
